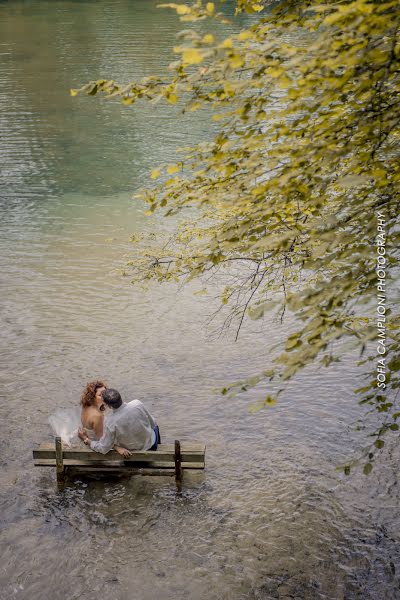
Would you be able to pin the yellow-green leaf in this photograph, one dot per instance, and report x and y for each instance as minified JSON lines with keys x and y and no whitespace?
{"x":226,"y":43}
{"x":173,"y":169}
{"x":270,"y":401}
{"x":244,"y":35}
{"x":172,"y":98}
{"x":208,"y":38}
{"x":155,"y":174}
{"x":192,"y":56}
{"x":182,"y":9}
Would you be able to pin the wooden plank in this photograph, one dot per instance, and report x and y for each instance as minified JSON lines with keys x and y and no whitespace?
{"x":131,"y":471}
{"x":135,"y":457}
{"x":160,"y":455}
{"x":168,"y":447}
{"x":187,"y":446}
{"x":185,"y":465}
{"x":102,"y":464}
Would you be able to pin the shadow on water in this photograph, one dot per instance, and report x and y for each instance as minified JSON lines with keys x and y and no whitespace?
{"x":114,"y":502}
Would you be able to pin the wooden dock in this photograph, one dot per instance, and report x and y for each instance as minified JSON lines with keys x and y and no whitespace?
{"x":168,"y":459}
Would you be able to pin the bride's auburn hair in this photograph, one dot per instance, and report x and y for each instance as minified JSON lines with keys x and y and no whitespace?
{"x":89,"y":393}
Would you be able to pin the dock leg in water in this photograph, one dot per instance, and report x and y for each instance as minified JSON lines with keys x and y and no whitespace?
{"x":178,"y":464}
{"x":59,"y":461}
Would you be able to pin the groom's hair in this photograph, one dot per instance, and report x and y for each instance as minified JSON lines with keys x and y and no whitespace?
{"x":112,"y":398}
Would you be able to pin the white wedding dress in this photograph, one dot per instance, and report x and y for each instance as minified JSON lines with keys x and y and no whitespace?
{"x":65,"y":423}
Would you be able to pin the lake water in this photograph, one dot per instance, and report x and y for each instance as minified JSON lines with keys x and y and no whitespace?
{"x":270,"y":517}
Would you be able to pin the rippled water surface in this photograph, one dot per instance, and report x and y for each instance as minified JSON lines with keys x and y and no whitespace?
{"x":270,"y":517}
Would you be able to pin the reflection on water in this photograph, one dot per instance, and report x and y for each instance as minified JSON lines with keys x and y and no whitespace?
{"x":270,"y":518}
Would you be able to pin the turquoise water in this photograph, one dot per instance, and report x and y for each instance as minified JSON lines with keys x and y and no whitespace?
{"x":270,"y":518}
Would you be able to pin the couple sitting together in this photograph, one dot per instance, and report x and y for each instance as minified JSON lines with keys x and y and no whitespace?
{"x":125,"y":427}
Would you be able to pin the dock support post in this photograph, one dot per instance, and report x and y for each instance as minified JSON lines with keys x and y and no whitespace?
{"x":178,"y":463}
{"x":59,"y":461}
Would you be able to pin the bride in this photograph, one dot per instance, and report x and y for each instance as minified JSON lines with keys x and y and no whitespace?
{"x":66,"y":422}
{"x":93,"y":407}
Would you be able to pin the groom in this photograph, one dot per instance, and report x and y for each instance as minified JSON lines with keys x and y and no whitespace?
{"x":130,"y":425}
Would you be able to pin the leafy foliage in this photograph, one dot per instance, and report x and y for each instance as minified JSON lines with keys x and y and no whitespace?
{"x":285,"y":199}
